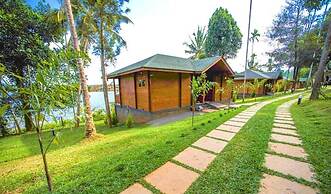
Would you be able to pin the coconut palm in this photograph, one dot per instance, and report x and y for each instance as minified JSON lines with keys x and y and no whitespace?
{"x":99,"y":24}
{"x":197,"y":43}
{"x":89,"y":125}
{"x":254,"y":37}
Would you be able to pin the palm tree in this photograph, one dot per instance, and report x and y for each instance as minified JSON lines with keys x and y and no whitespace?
{"x":89,"y":125}
{"x":254,"y":37}
{"x":99,"y":24}
{"x":197,"y":43}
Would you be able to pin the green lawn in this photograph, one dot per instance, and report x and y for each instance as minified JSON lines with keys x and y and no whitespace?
{"x":264,"y":98}
{"x":238,"y":168}
{"x":106,"y":165}
{"x":313,"y":121}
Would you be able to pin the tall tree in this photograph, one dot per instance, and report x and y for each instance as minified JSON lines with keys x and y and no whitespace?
{"x":224,"y":36}
{"x":196,"y":45}
{"x":325,"y":57}
{"x":288,"y":25}
{"x":24,"y":42}
{"x":90,"y":129}
{"x":254,"y":37}
{"x":100,"y":25}
{"x":296,"y":19}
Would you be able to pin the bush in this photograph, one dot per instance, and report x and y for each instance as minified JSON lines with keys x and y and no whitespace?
{"x":129,"y":121}
{"x":114,"y":119}
{"x":99,"y":115}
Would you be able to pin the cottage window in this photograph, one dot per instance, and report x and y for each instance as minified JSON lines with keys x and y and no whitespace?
{"x":141,"y":83}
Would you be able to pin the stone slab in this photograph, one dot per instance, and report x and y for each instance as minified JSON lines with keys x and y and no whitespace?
{"x":286,"y":139}
{"x":230,"y":128}
{"x":171,"y":178}
{"x":246,"y":114}
{"x":195,"y":158}
{"x":221,"y":134}
{"x":284,"y":121}
{"x":277,"y":185}
{"x":280,"y":125}
{"x":289,"y":167}
{"x":285,"y":131}
{"x":242,"y":117}
{"x":283,"y":116}
{"x":210,"y":144}
{"x":239,"y":119}
{"x":234,"y":123}
{"x":289,"y":150}
{"x":136,"y":189}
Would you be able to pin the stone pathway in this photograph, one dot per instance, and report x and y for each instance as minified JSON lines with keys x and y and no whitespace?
{"x":177,"y":175}
{"x":285,"y":145}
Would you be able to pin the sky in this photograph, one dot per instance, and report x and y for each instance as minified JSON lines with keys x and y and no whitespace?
{"x":161,"y":26}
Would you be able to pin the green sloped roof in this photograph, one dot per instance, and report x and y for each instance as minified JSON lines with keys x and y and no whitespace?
{"x":251,"y":74}
{"x":160,"y":61}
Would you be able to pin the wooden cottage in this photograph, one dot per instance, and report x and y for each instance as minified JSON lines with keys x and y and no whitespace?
{"x":161,"y":83}
{"x":270,"y":77}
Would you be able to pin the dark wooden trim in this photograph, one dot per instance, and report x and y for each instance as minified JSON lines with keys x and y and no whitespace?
{"x":114,"y":88}
{"x":221,"y":97}
{"x":119,"y":88}
{"x":180,"y":89}
{"x":149,"y":91}
{"x":135,"y":89}
{"x":191,"y":77}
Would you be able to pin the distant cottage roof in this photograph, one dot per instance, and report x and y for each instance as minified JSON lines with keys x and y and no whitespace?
{"x":171,"y":63}
{"x":251,"y":74}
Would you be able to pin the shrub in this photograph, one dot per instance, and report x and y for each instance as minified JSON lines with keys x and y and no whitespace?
{"x":114,"y":119}
{"x":129,"y":121}
{"x":99,"y":115}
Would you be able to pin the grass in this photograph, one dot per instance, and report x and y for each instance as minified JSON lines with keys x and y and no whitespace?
{"x":108,"y":164}
{"x":313,"y":121}
{"x":239,"y":168}
{"x":264,"y":98}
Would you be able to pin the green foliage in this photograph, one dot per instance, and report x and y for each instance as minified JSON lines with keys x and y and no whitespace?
{"x":99,"y":114}
{"x":234,"y":88}
{"x":204,"y":84}
{"x":129,"y":121}
{"x":256,"y":85}
{"x":114,"y":115}
{"x":196,"y":45}
{"x":224,"y":36}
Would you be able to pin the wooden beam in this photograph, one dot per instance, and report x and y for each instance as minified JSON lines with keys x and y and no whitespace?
{"x":135,"y":89}
{"x":180,"y":89}
{"x":114,"y":88}
{"x":222,"y":88}
{"x":149,"y":91}
{"x":119,"y":89}
{"x":191,"y":77}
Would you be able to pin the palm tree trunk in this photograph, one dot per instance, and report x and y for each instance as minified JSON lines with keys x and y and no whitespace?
{"x":19,"y":131}
{"x":89,"y":124}
{"x":78,"y":107}
{"x":104,"y":76}
{"x":321,"y":67}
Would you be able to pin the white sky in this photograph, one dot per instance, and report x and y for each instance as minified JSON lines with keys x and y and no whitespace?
{"x":161,"y":26}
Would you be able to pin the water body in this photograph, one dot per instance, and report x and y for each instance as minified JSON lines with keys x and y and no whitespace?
{"x":97,"y":102}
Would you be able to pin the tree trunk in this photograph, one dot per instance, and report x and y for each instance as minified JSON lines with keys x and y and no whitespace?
{"x":48,"y":177}
{"x":104,"y":76}
{"x":78,"y":107}
{"x":322,"y":64}
{"x":89,"y":124}
{"x":27,"y":121}
{"x":19,"y":131}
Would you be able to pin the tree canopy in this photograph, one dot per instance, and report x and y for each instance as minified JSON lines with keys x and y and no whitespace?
{"x":224,"y":37}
